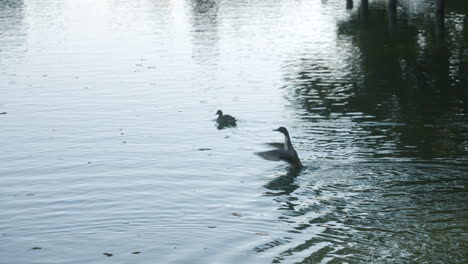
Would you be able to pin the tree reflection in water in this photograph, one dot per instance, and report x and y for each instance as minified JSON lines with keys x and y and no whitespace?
{"x":409,"y":79}
{"x":399,"y":97}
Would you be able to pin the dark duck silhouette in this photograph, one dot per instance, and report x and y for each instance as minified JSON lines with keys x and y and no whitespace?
{"x":225,"y":120}
{"x":284,"y":152}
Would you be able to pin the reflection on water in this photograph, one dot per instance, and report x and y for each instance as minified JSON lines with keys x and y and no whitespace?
{"x":12,"y":27}
{"x":109,"y":146}
{"x":283,"y":184}
{"x":404,"y":92}
{"x":398,"y":95}
{"x":395,"y":213}
{"x":204,"y":33}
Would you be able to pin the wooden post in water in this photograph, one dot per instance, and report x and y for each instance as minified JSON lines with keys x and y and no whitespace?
{"x":392,"y":15}
{"x":440,"y":17}
{"x":349,"y":4}
{"x":364,"y":11}
{"x":440,"y":7}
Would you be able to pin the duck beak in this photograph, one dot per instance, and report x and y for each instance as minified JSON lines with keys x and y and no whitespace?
{"x":275,"y":130}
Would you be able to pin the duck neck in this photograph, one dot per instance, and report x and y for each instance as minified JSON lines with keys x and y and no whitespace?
{"x":287,"y":142}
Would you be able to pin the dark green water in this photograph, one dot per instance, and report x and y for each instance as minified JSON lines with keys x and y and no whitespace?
{"x":109,"y":143}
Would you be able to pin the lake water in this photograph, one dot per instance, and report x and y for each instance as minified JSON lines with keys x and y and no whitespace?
{"x":108,"y":141}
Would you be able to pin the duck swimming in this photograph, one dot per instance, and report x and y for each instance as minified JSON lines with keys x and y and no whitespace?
{"x":285,"y":152}
{"x":225,"y":120}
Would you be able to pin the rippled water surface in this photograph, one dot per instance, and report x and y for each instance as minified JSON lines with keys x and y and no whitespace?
{"x":109,"y":144}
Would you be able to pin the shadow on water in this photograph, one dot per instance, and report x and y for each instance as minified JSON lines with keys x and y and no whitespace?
{"x":221,"y":126}
{"x":398,"y":102}
{"x":283,"y":184}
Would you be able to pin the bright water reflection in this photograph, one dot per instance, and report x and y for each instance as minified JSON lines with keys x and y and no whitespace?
{"x":109,"y":145}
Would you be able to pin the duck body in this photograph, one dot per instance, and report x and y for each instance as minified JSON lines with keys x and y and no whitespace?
{"x":225,"y":120}
{"x":284,"y":152}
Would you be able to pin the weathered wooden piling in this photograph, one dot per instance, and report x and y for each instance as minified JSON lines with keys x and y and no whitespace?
{"x":392,"y":15}
{"x":364,"y":11}
{"x":440,"y":19}
{"x":440,"y":7}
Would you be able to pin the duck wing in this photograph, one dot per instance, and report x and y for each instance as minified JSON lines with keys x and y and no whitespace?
{"x":228,"y":118}
{"x":277,"y":155}
{"x":276,"y":145}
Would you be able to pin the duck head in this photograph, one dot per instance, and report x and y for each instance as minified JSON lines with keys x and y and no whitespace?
{"x":282,"y":130}
{"x":219,"y":113}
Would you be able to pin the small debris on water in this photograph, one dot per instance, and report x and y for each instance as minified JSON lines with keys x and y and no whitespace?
{"x":36,"y":248}
{"x":136,"y":252}
{"x":108,"y":254}
{"x":3,"y":113}
{"x":124,"y":142}
{"x":262,"y":234}
{"x":211,"y":226}
{"x":204,"y":149}
{"x":236,"y":214}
